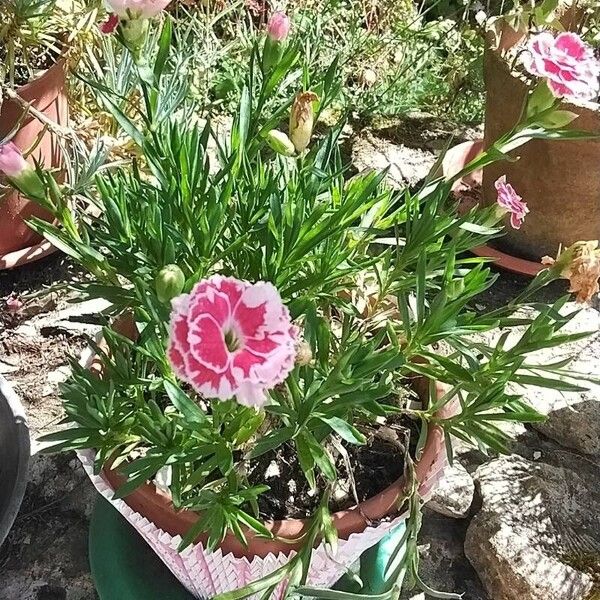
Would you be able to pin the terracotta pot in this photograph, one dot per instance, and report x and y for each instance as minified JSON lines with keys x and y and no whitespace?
{"x":157,"y":507}
{"x":47,"y":95}
{"x":559,"y":180}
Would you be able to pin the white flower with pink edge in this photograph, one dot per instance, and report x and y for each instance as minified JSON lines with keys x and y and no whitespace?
{"x":232,"y":338}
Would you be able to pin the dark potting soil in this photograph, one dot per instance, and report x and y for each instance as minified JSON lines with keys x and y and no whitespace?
{"x":374,"y":466}
{"x":37,"y":61}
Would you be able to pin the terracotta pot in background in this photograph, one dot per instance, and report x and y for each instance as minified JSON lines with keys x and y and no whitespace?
{"x":559,"y":180}
{"x":46,"y":94}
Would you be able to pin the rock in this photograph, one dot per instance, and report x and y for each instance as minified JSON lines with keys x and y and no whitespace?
{"x":45,"y":554}
{"x":407,"y":166}
{"x":443,"y":564}
{"x":75,"y":319}
{"x":575,"y":424}
{"x":535,"y":518}
{"x":454,"y":496}
{"x":573,"y":418}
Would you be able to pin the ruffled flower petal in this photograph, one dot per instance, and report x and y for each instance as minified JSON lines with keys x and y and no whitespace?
{"x":230,"y":338}
{"x":567,"y":62}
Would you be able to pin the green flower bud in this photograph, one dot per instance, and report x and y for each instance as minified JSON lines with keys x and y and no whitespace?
{"x":169,"y":283}
{"x":134,"y":32}
{"x":280,"y":142}
{"x":29,"y":184}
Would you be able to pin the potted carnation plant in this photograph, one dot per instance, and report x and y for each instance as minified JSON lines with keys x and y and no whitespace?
{"x":268,"y":399}
{"x":559,"y":181}
{"x":33,"y":109}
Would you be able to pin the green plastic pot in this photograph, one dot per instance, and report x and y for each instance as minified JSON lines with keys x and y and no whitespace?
{"x":121,"y":561}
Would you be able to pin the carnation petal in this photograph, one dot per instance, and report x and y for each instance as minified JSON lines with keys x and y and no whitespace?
{"x":207,"y":343}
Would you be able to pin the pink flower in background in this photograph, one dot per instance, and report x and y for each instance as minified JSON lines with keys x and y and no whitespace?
{"x":137,"y":8}
{"x":566,"y":62}
{"x":12,"y":162}
{"x":232,"y":338}
{"x":278,"y":27}
{"x":110,"y":25}
{"x":511,"y":202}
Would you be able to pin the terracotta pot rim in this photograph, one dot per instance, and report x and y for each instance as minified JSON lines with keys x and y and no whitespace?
{"x":349,"y":521}
{"x":507,"y":262}
{"x":40,"y":78}
{"x":25,"y":256}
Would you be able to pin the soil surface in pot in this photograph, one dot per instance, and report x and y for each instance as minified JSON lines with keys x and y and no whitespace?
{"x":37,"y":61}
{"x":373,"y":467}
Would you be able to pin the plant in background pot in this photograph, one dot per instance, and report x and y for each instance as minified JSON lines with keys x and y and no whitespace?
{"x":33,"y":105}
{"x":287,"y":352}
{"x":559,"y":181}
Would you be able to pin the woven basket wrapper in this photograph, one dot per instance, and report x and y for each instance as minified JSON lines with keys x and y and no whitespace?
{"x":206,"y":574}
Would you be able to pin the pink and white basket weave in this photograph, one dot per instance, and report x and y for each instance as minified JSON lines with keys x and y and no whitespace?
{"x":206,"y":574}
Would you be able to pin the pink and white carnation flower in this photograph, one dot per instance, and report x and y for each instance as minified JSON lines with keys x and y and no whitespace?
{"x":134,"y":9}
{"x":566,"y":62}
{"x":232,"y":338}
{"x":510,"y":202}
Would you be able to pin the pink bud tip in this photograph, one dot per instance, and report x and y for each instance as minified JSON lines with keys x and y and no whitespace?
{"x":12,"y":162}
{"x":110,"y":25}
{"x":278,"y":27}
{"x":13,"y":304}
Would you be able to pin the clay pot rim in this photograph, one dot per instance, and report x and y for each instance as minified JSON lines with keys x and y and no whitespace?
{"x":25,"y":256}
{"x":349,"y":521}
{"x":50,"y":73}
{"x":503,"y":260}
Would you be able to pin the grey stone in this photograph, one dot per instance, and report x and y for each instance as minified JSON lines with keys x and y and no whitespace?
{"x":454,"y":496}
{"x":535,"y":517}
{"x":573,"y":418}
{"x":443,"y":564}
{"x":71,"y":319}
{"x":45,"y":554}
{"x":407,"y":166}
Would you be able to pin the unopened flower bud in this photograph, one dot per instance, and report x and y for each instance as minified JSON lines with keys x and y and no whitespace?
{"x":302,"y":120}
{"x":12,"y":163}
{"x":280,"y":142}
{"x":303,"y":353}
{"x":20,"y":174}
{"x":134,"y":32}
{"x":278,"y":27}
{"x":169,"y":283}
